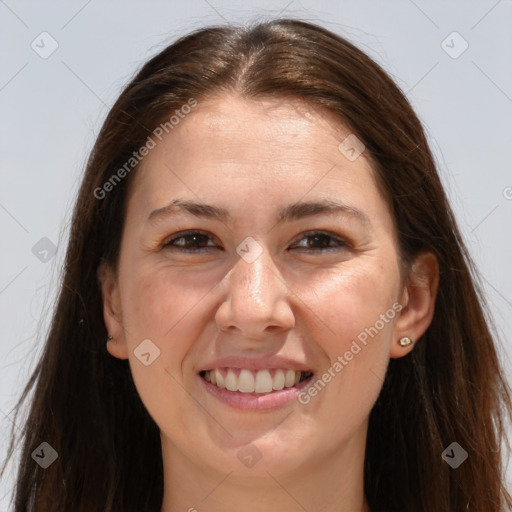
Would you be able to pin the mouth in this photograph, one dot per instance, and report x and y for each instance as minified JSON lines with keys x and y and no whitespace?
{"x":255,"y":382}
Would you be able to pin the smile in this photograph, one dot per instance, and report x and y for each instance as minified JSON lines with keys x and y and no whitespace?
{"x":255,"y":390}
{"x":254,"y":381}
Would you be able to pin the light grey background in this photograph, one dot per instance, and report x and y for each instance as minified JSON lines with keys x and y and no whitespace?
{"x":51,"y":111}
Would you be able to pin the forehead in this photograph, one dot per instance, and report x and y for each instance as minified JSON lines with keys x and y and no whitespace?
{"x":283,"y":139}
{"x":269,"y":116}
{"x":252,"y":131}
{"x":254,"y":157}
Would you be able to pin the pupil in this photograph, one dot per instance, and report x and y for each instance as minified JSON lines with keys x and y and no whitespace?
{"x":317,"y":238}
{"x":195,"y":239}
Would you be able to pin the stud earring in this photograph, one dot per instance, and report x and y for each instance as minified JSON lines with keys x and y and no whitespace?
{"x":405,"y":341}
{"x":110,"y":337}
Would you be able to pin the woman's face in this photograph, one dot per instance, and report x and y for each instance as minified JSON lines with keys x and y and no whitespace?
{"x":252,"y":294}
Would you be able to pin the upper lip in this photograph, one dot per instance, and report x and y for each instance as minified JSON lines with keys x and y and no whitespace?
{"x":256,"y":363}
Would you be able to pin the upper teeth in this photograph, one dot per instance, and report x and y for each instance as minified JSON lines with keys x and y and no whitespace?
{"x":247,"y":381}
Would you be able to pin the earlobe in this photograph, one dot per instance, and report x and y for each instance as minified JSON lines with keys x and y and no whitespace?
{"x":116,"y":343}
{"x":418,"y":306}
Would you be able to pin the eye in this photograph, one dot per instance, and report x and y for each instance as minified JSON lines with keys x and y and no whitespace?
{"x":190,"y":241}
{"x":321,"y":240}
{"x":193,"y":241}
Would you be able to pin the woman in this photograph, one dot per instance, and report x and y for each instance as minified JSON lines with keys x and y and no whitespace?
{"x":266,"y":302}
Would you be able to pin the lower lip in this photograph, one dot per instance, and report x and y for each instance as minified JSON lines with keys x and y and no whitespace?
{"x":255,"y":401}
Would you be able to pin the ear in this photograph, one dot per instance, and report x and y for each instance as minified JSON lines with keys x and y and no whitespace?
{"x":418,"y":301}
{"x":112,"y":311}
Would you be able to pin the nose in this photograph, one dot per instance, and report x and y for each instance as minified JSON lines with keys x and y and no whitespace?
{"x":258,"y":300}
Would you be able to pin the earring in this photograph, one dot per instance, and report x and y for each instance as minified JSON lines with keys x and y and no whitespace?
{"x":405,"y":341}
{"x":110,"y":337}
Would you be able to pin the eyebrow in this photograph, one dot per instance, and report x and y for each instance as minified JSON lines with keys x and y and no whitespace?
{"x":288,"y":213}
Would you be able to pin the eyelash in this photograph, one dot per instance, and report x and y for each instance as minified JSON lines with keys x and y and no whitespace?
{"x":342,"y":244}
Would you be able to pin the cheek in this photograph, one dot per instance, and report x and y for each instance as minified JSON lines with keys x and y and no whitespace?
{"x":355,"y":347}
{"x":357,"y":313}
{"x":162,"y":307}
{"x":352,"y":300}
{"x":158,"y":301}
{"x":172,"y":308}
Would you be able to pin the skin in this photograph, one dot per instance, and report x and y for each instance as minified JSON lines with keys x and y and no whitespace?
{"x":252,"y":157}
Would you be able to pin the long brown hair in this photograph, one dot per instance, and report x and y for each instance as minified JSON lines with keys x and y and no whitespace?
{"x":450,"y":389}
